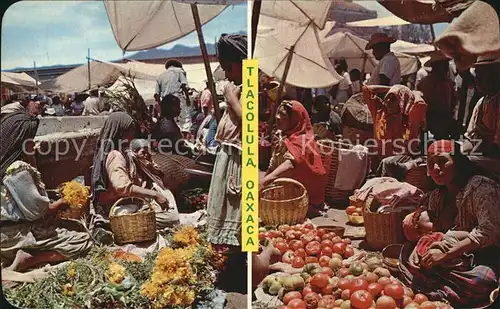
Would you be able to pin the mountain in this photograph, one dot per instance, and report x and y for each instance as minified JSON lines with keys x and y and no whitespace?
{"x":176,"y":51}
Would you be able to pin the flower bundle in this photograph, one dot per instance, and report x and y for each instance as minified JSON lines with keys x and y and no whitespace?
{"x":76,"y":194}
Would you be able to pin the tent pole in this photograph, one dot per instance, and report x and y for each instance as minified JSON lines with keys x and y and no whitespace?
{"x":206,"y":61}
{"x":280,"y":89}
{"x":88,"y":66}
{"x":257,"y":4}
{"x":36,"y":77}
{"x":365,"y":57}
{"x":433,"y":34}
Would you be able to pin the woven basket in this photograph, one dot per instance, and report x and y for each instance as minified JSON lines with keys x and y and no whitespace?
{"x":417,"y":176}
{"x":285,"y":201}
{"x":174,"y":169}
{"x":331,"y":193}
{"x":133,"y":228}
{"x":382,"y":229}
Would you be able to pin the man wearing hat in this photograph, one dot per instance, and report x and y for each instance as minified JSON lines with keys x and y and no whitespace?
{"x":92,"y":105}
{"x":440,"y":96}
{"x":483,"y":132}
{"x":388,"y":70}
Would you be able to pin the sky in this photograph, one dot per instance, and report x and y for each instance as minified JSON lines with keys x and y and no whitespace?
{"x":60,"y":32}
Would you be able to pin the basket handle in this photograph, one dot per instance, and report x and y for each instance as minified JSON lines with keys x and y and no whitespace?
{"x":287,"y":181}
{"x":126,"y":198}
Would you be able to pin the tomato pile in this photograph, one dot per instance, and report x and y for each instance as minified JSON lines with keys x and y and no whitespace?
{"x":329,"y":279}
{"x":355,"y":214}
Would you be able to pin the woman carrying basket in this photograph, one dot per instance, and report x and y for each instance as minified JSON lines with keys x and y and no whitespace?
{"x":119,"y":172}
{"x":296,"y":155}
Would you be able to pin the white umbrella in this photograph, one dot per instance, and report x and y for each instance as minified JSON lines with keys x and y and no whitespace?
{"x":139,"y":25}
{"x":379,"y":22}
{"x":352,"y":48}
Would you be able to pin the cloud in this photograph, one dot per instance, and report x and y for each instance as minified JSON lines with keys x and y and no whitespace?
{"x":60,"y":32}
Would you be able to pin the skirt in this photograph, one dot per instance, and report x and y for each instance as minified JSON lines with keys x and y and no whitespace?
{"x":224,"y":198}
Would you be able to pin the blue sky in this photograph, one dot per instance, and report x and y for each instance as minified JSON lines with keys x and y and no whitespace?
{"x":59,"y":32}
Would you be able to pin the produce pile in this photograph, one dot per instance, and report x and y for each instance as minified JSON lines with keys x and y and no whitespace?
{"x":333,"y":275}
{"x":194,"y":199}
{"x":177,"y":276}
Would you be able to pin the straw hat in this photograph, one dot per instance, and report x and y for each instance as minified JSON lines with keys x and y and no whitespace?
{"x":487,"y":59}
{"x":436,"y":56}
{"x":378,"y":38}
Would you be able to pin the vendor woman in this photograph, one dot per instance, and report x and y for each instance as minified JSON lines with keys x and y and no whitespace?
{"x":116,"y":173}
{"x":296,"y":154}
{"x":30,"y":235}
{"x":465,"y":207}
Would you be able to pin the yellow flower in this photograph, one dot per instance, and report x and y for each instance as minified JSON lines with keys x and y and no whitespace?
{"x":75,"y":194}
{"x":115,"y":273}
{"x":68,"y":289}
{"x":71,"y":271}
{"x":187,"y":236}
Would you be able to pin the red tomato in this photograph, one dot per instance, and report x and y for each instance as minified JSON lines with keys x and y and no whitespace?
{"x":313,"y":248}
{"x":308,"y":289}
{"x":297,"y":304}
{"x":307,"y":238}
{"x":326,"y":243}
{"x":428,"y":305}
{"x":346,"y":294}
{"x":298,"y":262}
{"x":317,"y":238}
{"x":274,"y":233}
{"x":420,"y":298}
{"x":291,"y":295}
{"x":327,"y":290}
{"x":327,"y":302}
{"x":328,"y":236}
{"x":394,"y":290}
{"x":283,"y":307}
{"x":336,"y":239}
{"x":409,"y":293}
{"x":343,"y":272}
{"x":350,"y":210}
{"x":371,"y":277}
{"x":339,"y":248}
{"x":298,"y":234}
{"x":311,"y":259}
{"x":327,"y":271}
{"x":349,"y":251}
{"x":346,"y":241}
{"x":298,"y":227}
{"x":300,"y":253}
{"x":312,"y":299}
{"x":386,"y":302}
{"x":295,"y":245}
{"x":281,"y":246}
{"x":287,"y":257}
{"x":406,"y":301}
{"x":320,"y":232}
{"x":324,"y":261}
{"x":262,"y":236}
{"x":284,"y":228}
{"x":290,"y":234}
{"x":361,"y":299}
{"x":319,"y":281}
{"x":309,"y":226}
{"x":384,"y":281}
{"x":359,"y":284}
{"x":344,"y":284}
{"x":374,"y":289}
{"x":327,"y":251}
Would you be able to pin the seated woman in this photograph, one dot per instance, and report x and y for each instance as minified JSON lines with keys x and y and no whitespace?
{"x":296,"y":154}
{"x":30,"y":233}
{"x":324,"y":114}
{"x":398,"y":120}
{"x":465,"y":208}
{"x":119,"y":173}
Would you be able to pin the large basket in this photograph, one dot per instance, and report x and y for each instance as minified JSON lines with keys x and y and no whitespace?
{"x":133,"y":228}
{"x":382,"y":229}
{"x":174,"y":168}
{"x":285,"y":201}
{"x":417,"y":176}
{"x":332,"y":194}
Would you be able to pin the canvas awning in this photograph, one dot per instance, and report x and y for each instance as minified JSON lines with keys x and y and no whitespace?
{"x":379,"y":22}
{"x":17,"y":79}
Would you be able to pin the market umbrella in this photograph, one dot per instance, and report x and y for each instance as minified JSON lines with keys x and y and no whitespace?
{"x":352,"y":48}
{"x":139,"y":25}
{"x":379,"y":22}
{"x":426,"y":11}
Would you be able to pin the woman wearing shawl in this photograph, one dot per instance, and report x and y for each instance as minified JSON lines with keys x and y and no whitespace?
{"x":296,"y":154}
{"x":462,"y":265}
{"x":115,"y":172}
{"x":398,"y":120}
